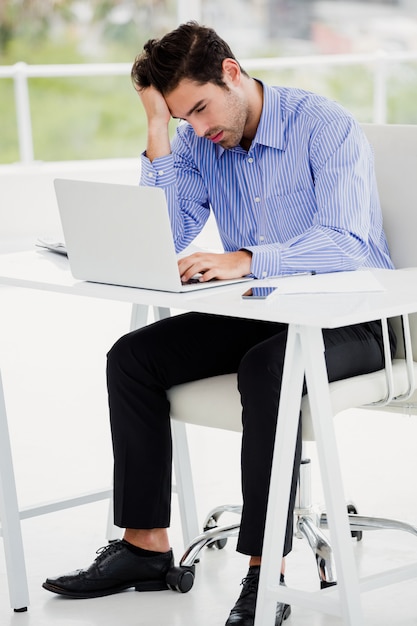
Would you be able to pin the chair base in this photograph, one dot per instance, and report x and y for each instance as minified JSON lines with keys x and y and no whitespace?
{"x":308,"y":526}
{"x":309,"y":522}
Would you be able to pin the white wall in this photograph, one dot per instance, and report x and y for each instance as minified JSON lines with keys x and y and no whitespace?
{"x":28,"y":208}
{"x":27,"y":199}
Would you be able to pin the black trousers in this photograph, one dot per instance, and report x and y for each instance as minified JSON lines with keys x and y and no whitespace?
{"x":143,"y":364}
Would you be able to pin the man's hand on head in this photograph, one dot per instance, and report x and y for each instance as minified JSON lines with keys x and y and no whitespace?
{"x":154,"y":104}
{"x":158,"y":115}
{"x":211,"y":265}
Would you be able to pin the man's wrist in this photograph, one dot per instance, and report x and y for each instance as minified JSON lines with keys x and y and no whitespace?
{"x":246,"y":259}
{"x":158,"y":144}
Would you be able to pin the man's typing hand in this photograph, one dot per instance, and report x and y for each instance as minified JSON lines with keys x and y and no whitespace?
{"x":211,"y":265}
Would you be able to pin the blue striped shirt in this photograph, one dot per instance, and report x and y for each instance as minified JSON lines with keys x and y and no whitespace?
{"x":304,"y":198}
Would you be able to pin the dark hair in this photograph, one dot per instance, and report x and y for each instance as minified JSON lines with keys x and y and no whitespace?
{"x":190,"y":51}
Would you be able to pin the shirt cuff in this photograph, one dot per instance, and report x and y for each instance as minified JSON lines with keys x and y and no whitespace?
{"x":265,"y":260}
{"x":158,"y":173}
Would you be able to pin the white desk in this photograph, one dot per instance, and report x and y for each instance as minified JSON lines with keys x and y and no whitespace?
{"x":50,"y":272}
{"x":306,"y":316}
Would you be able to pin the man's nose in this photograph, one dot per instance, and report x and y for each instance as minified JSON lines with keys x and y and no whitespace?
{"x":200,"y":129}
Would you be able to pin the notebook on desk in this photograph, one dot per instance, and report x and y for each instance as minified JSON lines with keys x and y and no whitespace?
{"x":121,"y":235}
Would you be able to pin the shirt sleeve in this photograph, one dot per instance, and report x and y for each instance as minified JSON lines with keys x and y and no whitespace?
{"x":342,"y":168}
{"x":185,"y":192}
{"x":158,"y":173}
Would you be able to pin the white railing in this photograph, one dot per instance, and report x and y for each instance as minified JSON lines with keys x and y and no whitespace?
{"x":377,"y":62}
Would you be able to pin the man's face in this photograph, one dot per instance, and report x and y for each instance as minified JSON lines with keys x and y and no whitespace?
{"x":216,"y":113}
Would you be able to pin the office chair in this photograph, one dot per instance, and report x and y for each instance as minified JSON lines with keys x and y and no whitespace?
{"x":215,"y":402}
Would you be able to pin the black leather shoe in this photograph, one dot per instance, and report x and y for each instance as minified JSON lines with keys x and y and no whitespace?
{"x":115,"y":569}
{"x":243,"y":613}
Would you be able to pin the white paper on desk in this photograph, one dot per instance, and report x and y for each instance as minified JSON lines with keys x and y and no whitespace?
{"x":334,"y":282}
{"x":53,"y":244}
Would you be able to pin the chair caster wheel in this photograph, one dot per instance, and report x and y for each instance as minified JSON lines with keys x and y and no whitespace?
{"x":218,"y":543}
{"x":356,"y":534}
{"x":180,"y":578}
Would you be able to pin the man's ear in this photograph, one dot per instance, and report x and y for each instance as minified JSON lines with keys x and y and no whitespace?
{"x":231,"y":71}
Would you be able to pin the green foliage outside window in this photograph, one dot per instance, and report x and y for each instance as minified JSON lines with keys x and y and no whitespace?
{"x":101,"y":117}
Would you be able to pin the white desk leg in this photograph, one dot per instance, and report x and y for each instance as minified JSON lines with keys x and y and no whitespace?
{"x":10,"y":519}
{"x":184,"y":483}
{"x":138,"y":316}
{"x":281,"y":474}
{"x":305,"y":353}
{"x":160,"y":312}
{"x":322,"y":415}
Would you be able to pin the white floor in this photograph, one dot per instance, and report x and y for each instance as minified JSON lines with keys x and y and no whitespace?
{"x":52,"y":360}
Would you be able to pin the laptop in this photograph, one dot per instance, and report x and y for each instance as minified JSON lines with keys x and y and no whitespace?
{"x":121,"y":235}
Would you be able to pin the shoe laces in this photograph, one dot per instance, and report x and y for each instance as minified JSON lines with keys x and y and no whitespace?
{"x":102,"y":552}
{"x":250,"y":583}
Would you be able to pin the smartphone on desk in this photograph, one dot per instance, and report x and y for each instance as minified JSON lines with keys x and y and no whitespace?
{"x":258,"y":293}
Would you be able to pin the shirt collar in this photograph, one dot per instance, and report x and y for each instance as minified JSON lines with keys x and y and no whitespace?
{"x":270,"y":118}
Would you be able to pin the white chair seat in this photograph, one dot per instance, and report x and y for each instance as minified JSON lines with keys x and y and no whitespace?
{"x":215,"y":402}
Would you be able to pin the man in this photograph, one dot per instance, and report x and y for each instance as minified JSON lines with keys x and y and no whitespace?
{"x":289,"y":177}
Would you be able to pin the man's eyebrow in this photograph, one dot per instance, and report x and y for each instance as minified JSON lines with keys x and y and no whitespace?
{"x":196,"y":106}
{"x":193,"y":108}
